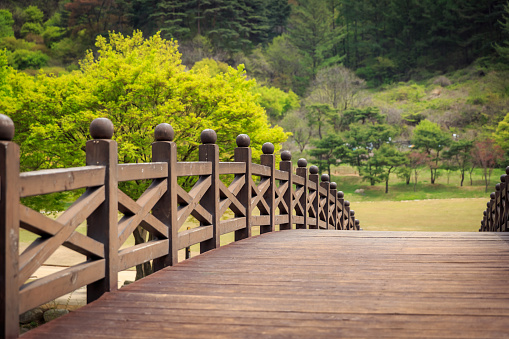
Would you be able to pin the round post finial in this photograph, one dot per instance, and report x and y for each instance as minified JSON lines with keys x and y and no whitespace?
{"x":325,"y":178}
{"x":497,"y":187}
{"x":208,"y":136}
{"x":164,"y":132}
{"x":347,"y":203}
{"x":286,"y":156}
{"x":352,"y":213}
{"x":243,"y":140}
{"x":268,"y":148}
{"x":302,"y":162}
{"x":341,"y":195}
{"x":101,"y":128}
{"x":503,"y":177}
{"x":507,"y":170}
{"x":492,"y":195}
{"x":333,"y":185}
{"x":6,"y":128}
{"x":313,"y":170}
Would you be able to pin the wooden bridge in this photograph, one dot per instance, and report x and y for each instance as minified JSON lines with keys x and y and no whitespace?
{"x":314,"y":278}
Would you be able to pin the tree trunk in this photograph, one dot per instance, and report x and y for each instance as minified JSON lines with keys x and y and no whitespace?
{"x":462,"y":178}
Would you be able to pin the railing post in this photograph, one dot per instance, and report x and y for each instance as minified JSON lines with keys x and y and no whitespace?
{"x":326,"y":184}
{"x":165,"y":150}
{"x":102,"y":223}
{"x":505,"y":202}
{"x":341,"y":207}
{"x":9,"y":230}
{"x":334,"y":193}
{"x":209,"y":151}
{"x":302,"y":171}
{"x":351,"y":220}
{"x":346,"y":215}
{"x":242,"y":153}
{"x":313,"y":177}
{"x":268,"y":159}
{"x":286,"y":165}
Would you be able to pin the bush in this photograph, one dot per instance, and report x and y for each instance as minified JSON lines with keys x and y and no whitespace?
{"x":12,"y":44}
{"x":23,"y":59}
{"x":442,"y":81}
{"x":31,"y":27}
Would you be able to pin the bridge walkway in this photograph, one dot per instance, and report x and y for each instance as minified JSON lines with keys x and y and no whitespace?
{"x":314,"y":284}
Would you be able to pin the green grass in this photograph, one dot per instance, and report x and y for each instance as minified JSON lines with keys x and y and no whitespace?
{"x":451,"y":215}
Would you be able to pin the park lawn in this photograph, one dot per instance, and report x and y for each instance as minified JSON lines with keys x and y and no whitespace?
{"x":436,"y":215}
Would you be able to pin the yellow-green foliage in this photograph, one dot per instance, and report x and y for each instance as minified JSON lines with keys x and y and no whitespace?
{"x":137,"y":83}
{"x":502,"y":134}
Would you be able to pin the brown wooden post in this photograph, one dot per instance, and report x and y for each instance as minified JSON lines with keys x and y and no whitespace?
{"x":334,"y":193}
{"x":242,"y":153}
{"x":286,"y":165}
{"x":346,"y":215}
{"x":313,"y":177}
{"x":341,"y":207}
{"x":505,"y":202}
{"x":165,"y":150}
{"x":358,"y":225}
{"x":326,"y":184}
{"x":268,"y":159}
{"x":9,"y":230}
{"x":302,"y":171}
{"x":351,"y":220}
{"x":209,"y":151}
{"x":102,"y":224}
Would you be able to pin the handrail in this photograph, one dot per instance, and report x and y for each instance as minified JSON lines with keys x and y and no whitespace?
{"x":284,"y":199}
{"x":496,"y":215}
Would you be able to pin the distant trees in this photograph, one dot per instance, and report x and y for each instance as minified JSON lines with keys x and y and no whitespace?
{"x":486,"y":154}
{"x":430,"y":138}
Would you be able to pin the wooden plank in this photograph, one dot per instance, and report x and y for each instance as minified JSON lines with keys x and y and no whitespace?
{"x":232,"y":167}
{"x":142,"y":253}
{"x":194,"y":236}
{"x":321,"y":284}
{"x":281,"y":175}
{"x":281,"y":219}
{"x":231,"y":225}
{"x":40,"y":250}
{"x":260,"y":170}
{"x":298,"y":219}
{"x":60,"y":179}
{"x":144,"y":171}
{"x":41,"y":225}
{"x":52,"y":286}
{"x":297,"y":179}
{"x":193,"y":168}
{"x":259,"y":220}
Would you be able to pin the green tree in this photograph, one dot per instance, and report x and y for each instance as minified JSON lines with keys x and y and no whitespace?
{"x":501,"y":134}
{"x":313,"y":32}
{"x":6,"y":22}
{"x":389,"y":159}
{"x":33,"y":21}
{"x":328,"y":151}
{"x":430,"y":139}
{"x":460,"y":153}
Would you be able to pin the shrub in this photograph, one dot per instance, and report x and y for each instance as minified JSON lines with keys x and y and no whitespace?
{"x":442,"y":81}
{"x":23,"y":59}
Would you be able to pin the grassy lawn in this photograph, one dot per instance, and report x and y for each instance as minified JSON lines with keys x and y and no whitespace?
{"x":452,"y":215}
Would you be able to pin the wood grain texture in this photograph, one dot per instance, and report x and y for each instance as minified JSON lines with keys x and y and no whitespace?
{"x":324,"y":284}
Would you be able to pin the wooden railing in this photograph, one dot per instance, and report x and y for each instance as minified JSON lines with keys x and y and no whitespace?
{"x":496,"y":215}
{"x":281,"y":197}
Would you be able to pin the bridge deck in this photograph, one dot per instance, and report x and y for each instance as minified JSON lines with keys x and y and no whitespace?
{"x":309,"y":284}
